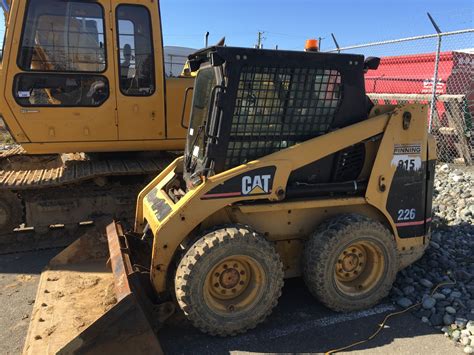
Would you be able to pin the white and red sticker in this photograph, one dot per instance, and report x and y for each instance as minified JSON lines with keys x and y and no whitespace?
{"x":407,"y":156}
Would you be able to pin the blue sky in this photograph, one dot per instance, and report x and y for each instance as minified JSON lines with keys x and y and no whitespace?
{"x":288,"y":23}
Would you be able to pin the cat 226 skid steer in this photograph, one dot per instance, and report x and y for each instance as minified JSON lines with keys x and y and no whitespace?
{"x":289,"y":170}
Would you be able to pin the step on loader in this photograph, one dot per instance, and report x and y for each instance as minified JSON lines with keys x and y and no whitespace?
{"x":289,"y":171}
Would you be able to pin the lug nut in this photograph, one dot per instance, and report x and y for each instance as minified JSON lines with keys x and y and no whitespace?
{"x":241,"y":283}
{"x":216,"y":284}
{"x":216,"y":274}
{"x":242,"y":272}
{"x":234,"y":290}
{"x":225,"y":266}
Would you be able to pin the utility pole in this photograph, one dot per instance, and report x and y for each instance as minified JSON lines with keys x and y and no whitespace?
{"x":260,"y":39}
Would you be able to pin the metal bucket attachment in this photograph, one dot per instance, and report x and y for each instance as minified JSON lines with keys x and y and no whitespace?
{"x":82,"y":307}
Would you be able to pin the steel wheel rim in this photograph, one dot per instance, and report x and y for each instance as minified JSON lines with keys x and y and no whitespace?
{"x":234,"y":285}
{"x":359,"y":268}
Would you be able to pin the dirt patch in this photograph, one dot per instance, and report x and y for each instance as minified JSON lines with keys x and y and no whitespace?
{"x":19,"y":281}
{"x":58,"y":294}
{"x":109,"y":298}
{"x":25,"y":278}
{"x":74,"y":299}
{"x":78,"y":322}
{"x":50,"y":330}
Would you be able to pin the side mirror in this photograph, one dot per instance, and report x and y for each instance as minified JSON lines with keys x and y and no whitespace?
{"x":371,"y":63}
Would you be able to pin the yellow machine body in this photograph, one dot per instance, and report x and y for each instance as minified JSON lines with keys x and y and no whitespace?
{"x":120,"y":122}
{"x":288,"y":224}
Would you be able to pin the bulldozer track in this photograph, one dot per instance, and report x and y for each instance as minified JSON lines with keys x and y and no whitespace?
{"x":74,"y":171}
{"x":12,"y":152}
{"x":61,"y":192}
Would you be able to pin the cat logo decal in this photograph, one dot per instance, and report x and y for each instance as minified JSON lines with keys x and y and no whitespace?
{"x":258,"y":184}
{"x":251,"y":183}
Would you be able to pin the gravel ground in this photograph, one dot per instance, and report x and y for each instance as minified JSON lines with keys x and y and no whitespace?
{"x":449,"y":259}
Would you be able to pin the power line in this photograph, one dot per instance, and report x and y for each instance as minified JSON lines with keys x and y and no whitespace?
{"x":286,"y":34}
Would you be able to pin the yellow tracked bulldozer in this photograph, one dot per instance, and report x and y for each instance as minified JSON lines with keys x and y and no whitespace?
{"x":84,"y":94}
{"x":289,"y":171}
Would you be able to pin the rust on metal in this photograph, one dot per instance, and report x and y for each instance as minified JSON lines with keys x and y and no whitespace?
{"x":118,"y":260}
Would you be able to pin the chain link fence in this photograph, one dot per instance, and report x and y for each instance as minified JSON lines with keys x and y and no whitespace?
{"x":433,"y":69}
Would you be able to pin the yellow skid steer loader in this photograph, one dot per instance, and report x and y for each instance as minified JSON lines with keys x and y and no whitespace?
{"x":289,"y":170}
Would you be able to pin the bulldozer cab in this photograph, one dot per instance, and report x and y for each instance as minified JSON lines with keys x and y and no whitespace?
{"x":250,"y":103}
{"x":78,"y":74}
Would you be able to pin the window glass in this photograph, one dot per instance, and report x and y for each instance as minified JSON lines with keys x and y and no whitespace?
{"x":205,"y":81}
{"x":136,"y":62}
{"x":60,"y":90}
{"x":65,"y":36}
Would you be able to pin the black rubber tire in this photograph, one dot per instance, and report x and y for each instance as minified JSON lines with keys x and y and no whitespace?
{"x":202,"y":257}
{"x":323,"y":249}
{"x":11,"y":211}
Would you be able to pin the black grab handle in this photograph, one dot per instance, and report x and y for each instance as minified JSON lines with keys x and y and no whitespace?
{"x":184,"y":106}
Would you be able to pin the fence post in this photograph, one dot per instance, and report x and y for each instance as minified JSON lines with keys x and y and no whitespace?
{"x":435,"y":74}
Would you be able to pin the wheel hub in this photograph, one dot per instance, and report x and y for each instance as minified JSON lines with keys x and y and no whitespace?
{"x":351,"y":263}
{"x":229,"y":279}
{"x":359,"y":267}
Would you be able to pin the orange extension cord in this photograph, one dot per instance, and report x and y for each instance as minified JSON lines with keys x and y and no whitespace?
{"x":381,"y":325}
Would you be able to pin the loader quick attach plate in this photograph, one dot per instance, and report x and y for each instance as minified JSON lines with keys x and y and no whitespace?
{"x":83,"y":308}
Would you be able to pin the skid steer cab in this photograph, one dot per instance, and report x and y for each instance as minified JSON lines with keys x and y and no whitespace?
{"x":289,"y":170}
